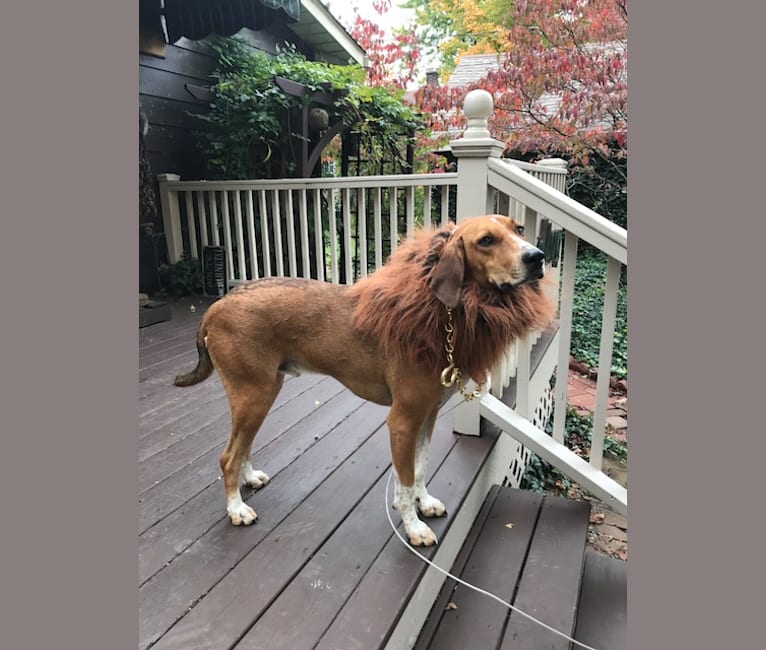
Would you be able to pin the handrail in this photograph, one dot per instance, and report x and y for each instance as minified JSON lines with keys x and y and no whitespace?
{"x":344,"y":182}
{"x":565,"y":211}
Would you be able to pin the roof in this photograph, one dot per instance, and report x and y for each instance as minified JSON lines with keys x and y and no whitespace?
{"x":320,"y":29}
{"x":473,"y":67}
{"x":309,"y":20}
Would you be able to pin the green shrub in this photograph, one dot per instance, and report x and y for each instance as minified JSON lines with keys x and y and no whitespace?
{"x":183,"y":278}
{"x":590,"y":280}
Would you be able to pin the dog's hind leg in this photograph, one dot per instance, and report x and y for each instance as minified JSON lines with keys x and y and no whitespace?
{"x":250,"y":402}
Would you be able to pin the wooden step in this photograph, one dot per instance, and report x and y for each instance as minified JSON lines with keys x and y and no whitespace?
{"x":529,"y":550}
{"x":602,"y":615}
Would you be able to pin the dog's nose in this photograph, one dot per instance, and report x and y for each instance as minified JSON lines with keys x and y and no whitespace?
{"x":533,"y":256}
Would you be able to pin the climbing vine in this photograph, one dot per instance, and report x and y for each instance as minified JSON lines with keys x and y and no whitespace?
{"x":254,"y":128}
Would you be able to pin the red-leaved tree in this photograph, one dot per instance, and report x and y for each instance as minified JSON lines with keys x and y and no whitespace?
{"x":560,"y":89}
{"x":561,"y":85}
{"x":393,"y":58}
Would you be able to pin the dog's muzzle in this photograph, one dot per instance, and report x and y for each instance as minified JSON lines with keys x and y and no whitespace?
{"x":534,"y":261}
{"x":534,"y":268}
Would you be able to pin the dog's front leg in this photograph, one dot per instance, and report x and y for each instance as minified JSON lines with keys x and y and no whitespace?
{"x":429,"y":506}
{"x":405,"y":422}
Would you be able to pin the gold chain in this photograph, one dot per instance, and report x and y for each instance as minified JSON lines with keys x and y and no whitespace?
{"x":451,"y":375}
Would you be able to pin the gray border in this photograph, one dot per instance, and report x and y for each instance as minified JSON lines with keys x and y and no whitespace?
{"x":696,"y":449}
{"x":69,"y":326}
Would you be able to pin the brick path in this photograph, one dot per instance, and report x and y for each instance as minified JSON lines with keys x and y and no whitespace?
{"x":582,"y":397}
{"x":608,"y":530}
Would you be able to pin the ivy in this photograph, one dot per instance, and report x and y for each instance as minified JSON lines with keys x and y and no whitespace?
{"x":541,"y":476}
{"x":588,"y":305}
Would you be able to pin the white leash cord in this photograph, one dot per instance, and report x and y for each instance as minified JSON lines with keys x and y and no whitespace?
{"x":465,"y":584}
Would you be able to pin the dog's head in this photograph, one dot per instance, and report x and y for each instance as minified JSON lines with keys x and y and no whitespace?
{"x":489,"y":250}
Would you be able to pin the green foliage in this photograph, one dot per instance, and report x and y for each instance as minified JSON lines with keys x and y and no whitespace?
{"x":253,"y":125}
{"x":601,"y":183}
{"x":590,"y":280}
{"x":182,"y":278}
{"x":541,"y":476}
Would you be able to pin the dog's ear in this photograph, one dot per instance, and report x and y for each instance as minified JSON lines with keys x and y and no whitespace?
{"x":449,"y":272}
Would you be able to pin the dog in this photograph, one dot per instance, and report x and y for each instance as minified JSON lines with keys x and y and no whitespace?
{"x":383,"y":338}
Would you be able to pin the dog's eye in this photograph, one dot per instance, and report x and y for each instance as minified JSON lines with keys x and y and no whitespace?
{"x":520,"y":230}
{"x":487,"y":240}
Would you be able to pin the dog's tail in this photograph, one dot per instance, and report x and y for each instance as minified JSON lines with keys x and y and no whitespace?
{"x":204,"y":367}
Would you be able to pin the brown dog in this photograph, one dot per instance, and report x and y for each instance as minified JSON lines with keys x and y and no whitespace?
{"x":383,"y":338}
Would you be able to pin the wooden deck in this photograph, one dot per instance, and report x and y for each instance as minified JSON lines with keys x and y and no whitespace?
{"x":321,"y":567}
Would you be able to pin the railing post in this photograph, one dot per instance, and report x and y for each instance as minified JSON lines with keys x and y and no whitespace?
{"x":474,"y":198}
{"x":171,"y":217}
{"x":473,"y":150}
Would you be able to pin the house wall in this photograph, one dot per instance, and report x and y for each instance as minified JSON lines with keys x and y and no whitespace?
{"x":167,"y":89}
{"x":170,"y":75}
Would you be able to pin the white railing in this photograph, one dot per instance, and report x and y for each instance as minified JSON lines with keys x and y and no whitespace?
{"x":341,"y":229}
{"x":544,"y":210}
{"x":542,"y":203}
{"x":333,"y":229}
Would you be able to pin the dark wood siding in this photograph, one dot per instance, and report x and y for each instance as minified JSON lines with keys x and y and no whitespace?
{"x":171,"y":143}
{"x":164,"y":96}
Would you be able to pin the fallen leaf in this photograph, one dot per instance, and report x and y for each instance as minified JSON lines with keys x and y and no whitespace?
{"x":451,"y":605}
{"x":597,"y":518}
{"x":509,"y":525}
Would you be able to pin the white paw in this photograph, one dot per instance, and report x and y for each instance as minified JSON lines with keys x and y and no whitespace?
{"x":430,"y":506}
{"x":255,"y":479}
{"x":420,"y":534}
{"x":241,"y":514}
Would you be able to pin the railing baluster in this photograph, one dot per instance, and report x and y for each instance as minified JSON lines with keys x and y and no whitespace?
{"x":409,"y":202}
{"x":523,"y":371}
{"x":566,"y":305}
{"x":215,"y":223}
{"x":445,"y":204}
{"x":319,"y":235}
{"x":605,"y":361}
{"x":252,"y":247}
{"x":376,"y":208}
{"x":226,"y":218}
{"x":290,"y":219}
{"x":361,"y":219}
{"x":265,"y":240}
{"x":191,"y":225}
{"x":278,"y":246}
{"x":333,"y":239}
{"x":426,"y":206}
{"x":303,"y":215}
{"x":531,"y":226}
{"x":242,"y":270}
{"x":202,"y":218}
{"x":347,"y":255}
{"x":393,"y":201}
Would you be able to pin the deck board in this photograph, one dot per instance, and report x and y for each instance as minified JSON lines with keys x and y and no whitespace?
{"x":374,"y":607}
{"x":550,"y":584}
{"x":602,"y":614}
{"x":321,"y":567}
{"x":495,"y":564}
{"x":537,"y":565}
